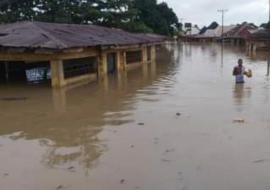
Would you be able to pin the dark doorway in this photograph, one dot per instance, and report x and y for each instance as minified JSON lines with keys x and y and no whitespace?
{"x":2,"y":72}
{"x":12,"y":71}
{"x":18,"y":71}
{"x":111,"y":63}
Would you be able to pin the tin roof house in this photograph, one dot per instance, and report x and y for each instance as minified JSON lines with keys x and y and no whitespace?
{"x":240,"y":33}
{"x":72,"y":52}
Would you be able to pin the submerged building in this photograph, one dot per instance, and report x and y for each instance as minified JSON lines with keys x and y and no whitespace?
{"x":72,"y":53}
{"x":259,"y":41}
{"x":240,"y":34}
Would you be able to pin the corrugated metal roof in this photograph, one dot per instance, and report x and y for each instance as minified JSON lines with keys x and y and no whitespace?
{"x":63,"y":36}
{"x":240,"y":31}
{"x":216,"y":33}
{"x":261,"y":34}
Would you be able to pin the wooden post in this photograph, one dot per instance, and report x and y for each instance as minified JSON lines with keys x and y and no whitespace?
{"x":57,"y":74}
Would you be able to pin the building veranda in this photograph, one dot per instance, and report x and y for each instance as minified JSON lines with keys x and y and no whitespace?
{"x":73,"y":53}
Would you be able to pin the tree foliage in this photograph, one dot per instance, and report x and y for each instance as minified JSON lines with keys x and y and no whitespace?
{"x":132,"y":15}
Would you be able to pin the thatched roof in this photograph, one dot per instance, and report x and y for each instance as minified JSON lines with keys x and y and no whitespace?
{"x":35,"y":35}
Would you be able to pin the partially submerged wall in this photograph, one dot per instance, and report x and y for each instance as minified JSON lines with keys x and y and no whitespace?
{"x":73,"y":66}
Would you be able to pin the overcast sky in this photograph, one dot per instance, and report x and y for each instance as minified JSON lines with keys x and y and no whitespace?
{"x":203,"y":12}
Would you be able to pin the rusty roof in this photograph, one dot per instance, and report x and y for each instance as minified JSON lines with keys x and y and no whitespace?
{"x":261,"y":34}
{"x":237,"y":31}
{"x":35,"y":35}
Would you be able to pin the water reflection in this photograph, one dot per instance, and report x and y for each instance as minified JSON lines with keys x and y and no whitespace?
{"x":268,"y":67}
{"x":88,"y":136}
{"x":239,"y":93}
{"x":68,"y":121}
{"x":222,"y":54}
{"x":242,"y":95}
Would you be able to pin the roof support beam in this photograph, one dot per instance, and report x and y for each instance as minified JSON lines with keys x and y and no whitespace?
{"x":30,"y":56}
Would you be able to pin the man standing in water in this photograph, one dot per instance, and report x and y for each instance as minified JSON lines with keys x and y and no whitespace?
{"x":239,"y":72}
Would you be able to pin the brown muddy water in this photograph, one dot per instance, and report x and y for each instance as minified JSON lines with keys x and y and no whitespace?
{"x":168,"y":126}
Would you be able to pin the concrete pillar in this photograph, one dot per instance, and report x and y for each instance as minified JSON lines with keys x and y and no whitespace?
{"x":248,"y":48}
{"x":57,"y":74}
{"x":124,"y":60}
{"x":119,"y":61}
{"x":102,"y":65}
{"x":144,"y":54}
{"x":153,"y":53}
{"x":254,"y":50}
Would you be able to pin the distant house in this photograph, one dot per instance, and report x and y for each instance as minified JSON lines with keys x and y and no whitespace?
{"x":259,"y":41}
{"x":193,"y":31}
{"x":189,"y":32}
{"x":240,"y":33}
{"x":211,"y":35}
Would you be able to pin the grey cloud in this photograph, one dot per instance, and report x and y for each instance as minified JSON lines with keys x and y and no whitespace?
{"x":203,"y":12}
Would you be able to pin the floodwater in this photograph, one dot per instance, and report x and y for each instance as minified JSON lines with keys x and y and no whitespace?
{"x":179,"y":124}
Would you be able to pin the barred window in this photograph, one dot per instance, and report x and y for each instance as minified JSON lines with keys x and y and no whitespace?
{"x":78,"y":67}
{"x":134,"y":57}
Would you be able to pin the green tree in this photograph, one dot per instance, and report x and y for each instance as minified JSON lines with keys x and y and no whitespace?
{"x":17,"y":10}
{"x":132,"y":15}
{"x":159,"y":17}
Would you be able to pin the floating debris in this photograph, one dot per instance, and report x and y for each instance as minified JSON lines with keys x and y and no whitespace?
{"x":239,"y":120}
{"x":59,"y":187}
{"x":170,"y":150}
{"x":180,"y":173}
{"x":132,"y":146}
{"x":141,"y":124}
{"x":178,"y":114}
{"x":261,"y":161}
{"x":166,"y":160}
{"x":71,"y":169}
{"x":122,"y":181}
{"x":258,"y":161}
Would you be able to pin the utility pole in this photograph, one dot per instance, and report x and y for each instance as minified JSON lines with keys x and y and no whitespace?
{"x":269,"y":12}
{"x":182,"y":22}
{"x":223,"y":11}
{"x":268,"y":38}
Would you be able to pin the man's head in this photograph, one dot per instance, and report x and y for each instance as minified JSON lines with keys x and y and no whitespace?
{"x":240,"y":62}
